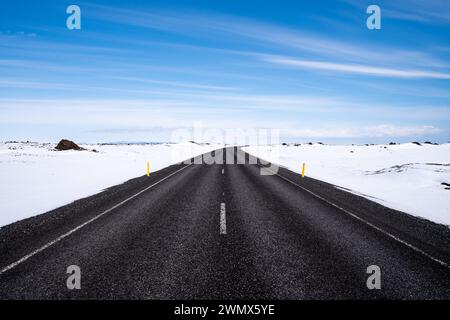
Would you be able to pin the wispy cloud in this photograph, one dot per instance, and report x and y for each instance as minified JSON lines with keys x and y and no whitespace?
{"x":356,"y":69}
{"x":16,"y":34}
{"x":378,"y":131}
{"x":429,"y":11}
{"x":341,"y":56}
{"x":193,"y":24}
{"x":164,"y":68}
{"x":176,"y":84}
{"x":198,"y":104}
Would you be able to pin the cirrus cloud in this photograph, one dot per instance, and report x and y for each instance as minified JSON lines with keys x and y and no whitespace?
{"x":355,"y":68}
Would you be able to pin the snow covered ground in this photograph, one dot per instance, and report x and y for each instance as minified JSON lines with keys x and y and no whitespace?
{"x":406,"y":177}
{"x":35,"y":178}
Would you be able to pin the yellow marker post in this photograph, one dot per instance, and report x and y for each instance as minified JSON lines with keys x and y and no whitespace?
{"x":303,"y":170}
{"x":148,"y":169}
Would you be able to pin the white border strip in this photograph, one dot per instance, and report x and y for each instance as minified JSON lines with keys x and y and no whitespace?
{"x":65,"y":235}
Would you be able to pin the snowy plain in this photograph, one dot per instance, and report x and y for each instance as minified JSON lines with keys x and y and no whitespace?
{"x":407,"y":177}
{"x":411,"y":178}
{"x":35,"y":178}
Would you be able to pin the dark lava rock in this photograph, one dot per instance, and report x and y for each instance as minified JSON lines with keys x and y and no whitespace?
{"x":67,"y":145}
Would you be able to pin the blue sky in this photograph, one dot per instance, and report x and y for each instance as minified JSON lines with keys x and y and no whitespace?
{"x":137,"y":70}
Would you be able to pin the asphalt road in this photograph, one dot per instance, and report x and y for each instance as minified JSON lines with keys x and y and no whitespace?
{"x":224,"y":231}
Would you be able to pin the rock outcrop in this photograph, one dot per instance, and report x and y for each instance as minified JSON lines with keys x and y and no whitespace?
{"x":67,"y":145}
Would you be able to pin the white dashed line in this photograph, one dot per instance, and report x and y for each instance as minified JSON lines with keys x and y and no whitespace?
{"x":223,"y":220}
{"x":223,"y":171}
{"x":23,"y":259}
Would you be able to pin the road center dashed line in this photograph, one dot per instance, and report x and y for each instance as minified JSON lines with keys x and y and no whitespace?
{"x":223,"y":220}
{"x":65,"y":235}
